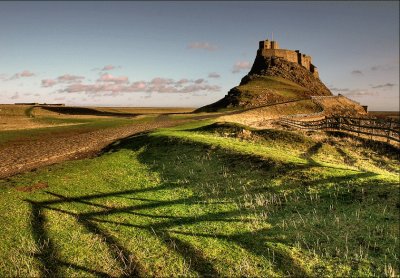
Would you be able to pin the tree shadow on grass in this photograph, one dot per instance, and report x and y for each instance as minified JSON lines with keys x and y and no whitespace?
{"x":154,"y":152}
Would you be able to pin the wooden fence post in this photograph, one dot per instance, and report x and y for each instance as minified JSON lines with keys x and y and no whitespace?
{"x":326,"y":123}
{"x":389,"y":130}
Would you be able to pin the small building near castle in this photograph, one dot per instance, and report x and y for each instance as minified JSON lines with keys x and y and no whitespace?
{"x":271,"y":49}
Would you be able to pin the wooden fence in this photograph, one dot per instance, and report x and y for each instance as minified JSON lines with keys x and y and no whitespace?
{"x":388,"y":130}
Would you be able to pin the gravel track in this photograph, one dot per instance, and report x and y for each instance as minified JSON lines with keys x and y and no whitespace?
{"x":18,"y":157}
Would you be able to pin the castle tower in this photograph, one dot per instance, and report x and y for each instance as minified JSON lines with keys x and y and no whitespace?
{"x":267,"y":44}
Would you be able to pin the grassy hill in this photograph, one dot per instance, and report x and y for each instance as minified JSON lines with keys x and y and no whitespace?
{"x":271,"y":88}
{"x":260,"y":90}
{"x":208,"y":199}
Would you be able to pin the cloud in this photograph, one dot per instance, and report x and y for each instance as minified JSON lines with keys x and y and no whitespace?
{"x":339,"y":89}
{"x":382,"y":67}
{"x":22,"y":74}
{"x":241,"y":65}
{"x":357,"y":72}
{"x":114,"y":79}
{"x":202,"y":45}
{"x":15,"y":96}
{"x":157,"y":85}
{"x":183,"y":81}
{"x":108,"y":67}
{"x":383,"y":86}
{"x":66,"y":78}
{"x":213,"y":75}
{"x":48,"y":83}
{"x":360,"y":93}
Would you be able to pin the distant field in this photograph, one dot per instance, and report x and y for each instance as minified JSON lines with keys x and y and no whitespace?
{"x":208,"y":199}
{"x":385,"y":114}
{"x":14,"y":117}
{"x":146,"y":110}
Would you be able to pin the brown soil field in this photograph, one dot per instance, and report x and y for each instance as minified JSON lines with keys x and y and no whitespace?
{"x":23,"y":155}
{"x":27,"y":153}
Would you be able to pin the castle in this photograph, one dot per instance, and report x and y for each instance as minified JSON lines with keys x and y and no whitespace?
{"x":271,"y":49}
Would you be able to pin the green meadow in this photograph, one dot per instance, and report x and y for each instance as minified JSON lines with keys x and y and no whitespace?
{"x":208,"y":199}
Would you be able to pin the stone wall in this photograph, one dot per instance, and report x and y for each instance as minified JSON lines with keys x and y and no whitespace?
{"x":305,"y":60}
{"x":288,"y":55}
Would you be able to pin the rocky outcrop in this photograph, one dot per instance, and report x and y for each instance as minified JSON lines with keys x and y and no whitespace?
{"x":239,"y":97}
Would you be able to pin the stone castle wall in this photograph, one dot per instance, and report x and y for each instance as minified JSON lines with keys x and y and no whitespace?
{"x":304,"y":60}
{"x":271,"y":49}
{"x":288,"y":55}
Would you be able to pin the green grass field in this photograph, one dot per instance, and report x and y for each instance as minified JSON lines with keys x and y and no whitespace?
{"x":208,"y":199}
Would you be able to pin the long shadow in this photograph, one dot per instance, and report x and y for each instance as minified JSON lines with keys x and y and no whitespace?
{"x":126,"y":260}
{"x":347,"y":159}
{"x":197,"y":261}
{"x":311,"y":152}
{"x":108,"y":194}
{"x":84,"y":111}
{"x":131,"y":267}
{"x":47,"y":251}
{"x":149,"y":153}
{"x":256,"y":242}
{"x":80,"y":267}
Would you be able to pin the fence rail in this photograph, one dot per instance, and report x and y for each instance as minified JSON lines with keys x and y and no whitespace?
{"x":387,"y":129}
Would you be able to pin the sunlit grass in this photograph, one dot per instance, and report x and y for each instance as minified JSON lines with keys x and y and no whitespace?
{"x":206,"y":199}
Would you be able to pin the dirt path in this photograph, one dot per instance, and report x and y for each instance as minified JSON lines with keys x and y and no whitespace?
{"x":18,"y":157}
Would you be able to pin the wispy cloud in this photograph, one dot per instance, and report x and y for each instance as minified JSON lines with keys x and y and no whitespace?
{"x":334,"y":89}
{"x":108,"y":67}
{"x":240,"y":66}
{"x":114,"y":79}
{"x":214,"y":75}
{"x":387,"y":67}
{"x":22,"y":74}
{"x":359,"y":93}
{"x":383,"y":86}
{"x":357,"y":72}
{"x":202,"y":45}
{"x":15,"y":96}
{"x":157,"y":85}
{"x":49,"y":82}
{"x":66,"y":78}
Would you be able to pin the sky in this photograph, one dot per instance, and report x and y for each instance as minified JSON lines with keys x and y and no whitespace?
{"x":189,"y":54}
